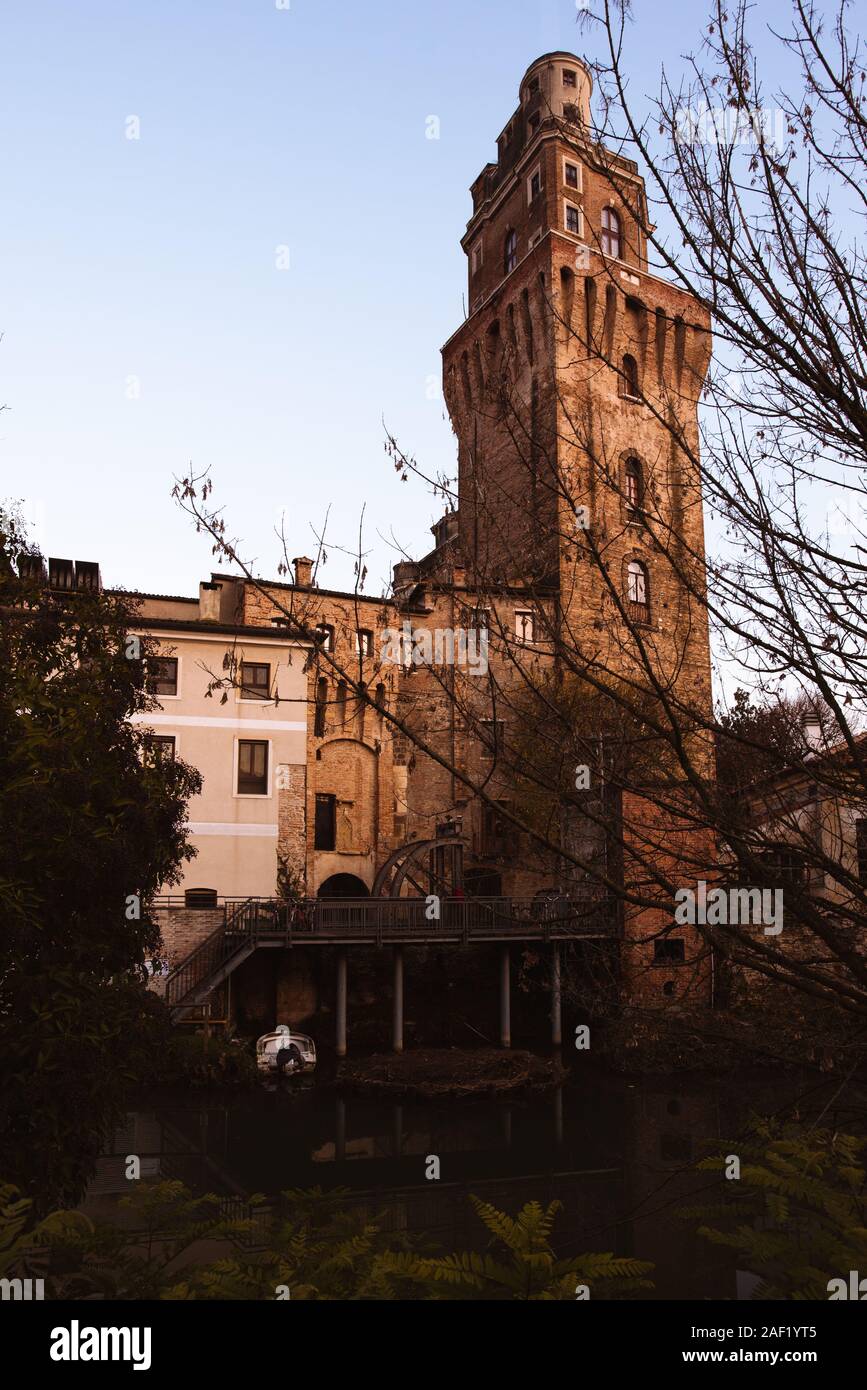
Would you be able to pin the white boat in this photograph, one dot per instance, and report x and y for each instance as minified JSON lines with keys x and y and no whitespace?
{"x":285,"y":1051}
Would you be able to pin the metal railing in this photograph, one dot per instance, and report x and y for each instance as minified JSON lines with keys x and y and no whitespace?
{"x":238,"y":932}
{"x":275,"y":922}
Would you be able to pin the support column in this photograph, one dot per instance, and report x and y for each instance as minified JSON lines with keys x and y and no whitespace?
{"x":341,"y":1002}
{"x":556,"y":998}
{"x":505,"y":1000}
{"x":397,"y":1028}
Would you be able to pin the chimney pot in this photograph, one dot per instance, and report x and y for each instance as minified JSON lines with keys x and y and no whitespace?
{"x":303,"y":571}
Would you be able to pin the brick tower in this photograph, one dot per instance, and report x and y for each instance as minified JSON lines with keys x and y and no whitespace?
{"x":566,"y":385}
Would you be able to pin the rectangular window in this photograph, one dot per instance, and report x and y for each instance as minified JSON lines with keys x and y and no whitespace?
{"x":668,"y":951}
{"x":498,"y":832}
{"x":252,"y":767}
{"x":364,"y":642}
{"x":570,"y":77}
{"x":324,"y":636}
{"x":861,"y":848}
{"x":573,"y":219}
{"x":491,"y":733}
{"x":162,"y":675}
{"x":534,"y":184}
{"x":160,"y":748}
{"x":477,"y":257}
{"x":571,"y":174}
{"x":255,"y":680}
{"x":325,"y":828}
{"x":533,"y":123}
{"x":524,"y":625}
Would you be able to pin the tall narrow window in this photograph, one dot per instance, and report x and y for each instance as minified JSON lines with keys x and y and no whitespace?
{"x":510,"y":251}
{"x":320,"y":708}
{"x":629,"y":377}
{"x":325,"y":826}
{"x":252,"y":767}
{"x":324,"y":637}
{"x":341,"y":703}
{"x":610,"y":238}
{"x":364,"y":642}
{"x":637,"y":591}
{"x":524,"y":624}
{"x":491,"y":735}
{"x":573,"y":219}
{"x":634,"y":486}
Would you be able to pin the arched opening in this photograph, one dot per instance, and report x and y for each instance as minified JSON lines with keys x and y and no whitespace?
{"x":634,"y":487}
{"x":638,"y":591}
{"x":343,"y":886}
{"x":629,"y":376}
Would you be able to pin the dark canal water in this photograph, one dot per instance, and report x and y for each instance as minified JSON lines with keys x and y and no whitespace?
{"x":616,"y":1153}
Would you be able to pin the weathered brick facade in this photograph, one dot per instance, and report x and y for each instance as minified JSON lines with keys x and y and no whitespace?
{"x":560,"y":386}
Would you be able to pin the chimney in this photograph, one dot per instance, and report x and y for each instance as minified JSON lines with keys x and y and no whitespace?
{"x":303,"y":571}
{"x":209,"y":602}
{"x":87,"y":576}
{"x":811,"y":726}
{"x":61,"y":573}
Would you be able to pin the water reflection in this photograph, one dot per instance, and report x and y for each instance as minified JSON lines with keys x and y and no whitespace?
{"x":617,"y":1155}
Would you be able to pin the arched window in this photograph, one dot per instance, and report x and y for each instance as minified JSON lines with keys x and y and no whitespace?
{"x":634,"y":486}
{"x":637,"y":591}
{"x":629,"y":376}
{"x":510,"y":251}
{"x":610,"y":239}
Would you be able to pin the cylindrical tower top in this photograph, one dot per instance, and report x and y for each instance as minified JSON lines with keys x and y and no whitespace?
{"x":557,"y":81}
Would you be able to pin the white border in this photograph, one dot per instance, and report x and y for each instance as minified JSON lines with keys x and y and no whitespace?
{"x":252,"y":796}
{"x":579,"y":188}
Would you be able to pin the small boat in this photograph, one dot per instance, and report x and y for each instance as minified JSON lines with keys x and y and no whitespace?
{"x":285,"y":1052}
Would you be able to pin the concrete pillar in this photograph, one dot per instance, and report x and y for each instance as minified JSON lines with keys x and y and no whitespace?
{"x":505,"y":1000}
{"x":341,"y":1002}
{"x":556,"y":998}
{"x":397,"y":1028}
{"x":558,"y":1115}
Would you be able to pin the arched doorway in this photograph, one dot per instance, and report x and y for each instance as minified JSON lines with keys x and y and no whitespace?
{"x":343,"y":886}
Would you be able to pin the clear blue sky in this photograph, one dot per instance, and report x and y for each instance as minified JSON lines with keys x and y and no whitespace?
{"x":150,"y":264}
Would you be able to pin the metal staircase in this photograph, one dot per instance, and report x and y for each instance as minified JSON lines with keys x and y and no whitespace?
{"x":252,"y":924}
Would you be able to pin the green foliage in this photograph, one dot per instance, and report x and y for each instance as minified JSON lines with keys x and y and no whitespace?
{"x":317,"y":1245}
{"x":528,"y":1268}
{"x":320,"y":1246}
{"x":88,"y":823}
{"x":797,"y":1216}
